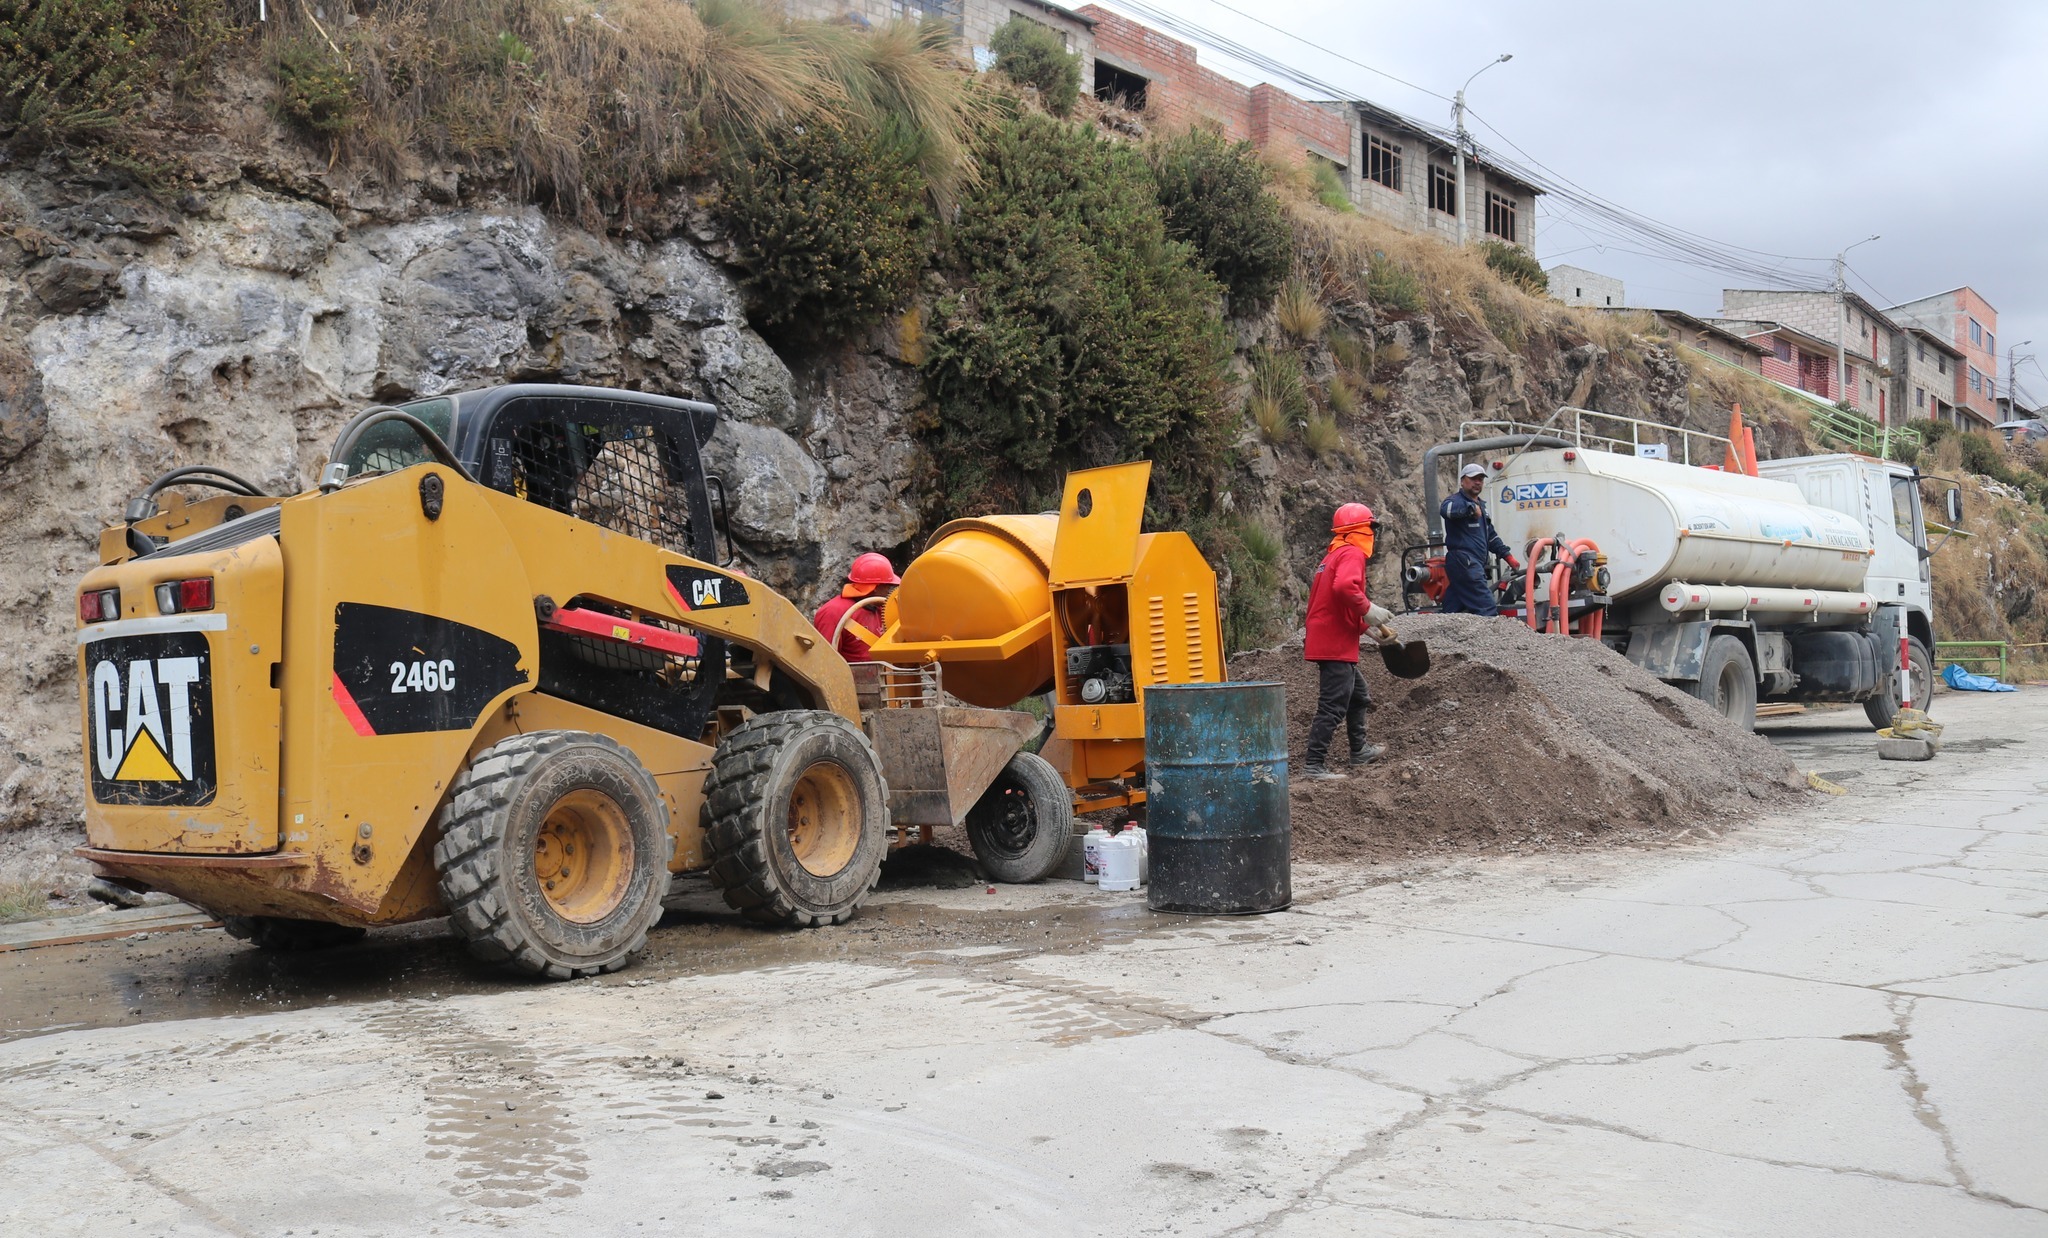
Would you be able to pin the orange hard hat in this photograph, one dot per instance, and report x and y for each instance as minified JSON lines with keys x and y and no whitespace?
{"x":1350,"y":516}
{"x":872,"y":569}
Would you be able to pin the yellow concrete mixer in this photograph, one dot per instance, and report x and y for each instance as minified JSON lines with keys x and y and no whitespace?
{"x":1077,"y":606}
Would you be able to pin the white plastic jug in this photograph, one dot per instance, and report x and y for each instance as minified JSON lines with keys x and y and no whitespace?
{"x":1120,"y":863}
{"x":1136,"y":833}
{"x":1091,"y":854}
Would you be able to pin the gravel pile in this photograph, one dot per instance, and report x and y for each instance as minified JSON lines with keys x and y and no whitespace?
{"x":1517,"y":741}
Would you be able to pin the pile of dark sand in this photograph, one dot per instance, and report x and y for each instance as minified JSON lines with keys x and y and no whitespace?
{"x":1516,"y":741}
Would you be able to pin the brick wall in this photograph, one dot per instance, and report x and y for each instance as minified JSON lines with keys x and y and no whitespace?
{"x":1179,"y":90}
{"x":1279,"y":121}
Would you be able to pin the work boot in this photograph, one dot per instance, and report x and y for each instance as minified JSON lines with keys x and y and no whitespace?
{"x":1366,"y":754}
{"x":1318,"y":772}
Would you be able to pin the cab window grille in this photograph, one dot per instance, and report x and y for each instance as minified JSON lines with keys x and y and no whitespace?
{"x":624,"y":477}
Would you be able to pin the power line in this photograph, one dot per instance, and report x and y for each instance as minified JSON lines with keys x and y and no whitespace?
{"x":1329,"y":52}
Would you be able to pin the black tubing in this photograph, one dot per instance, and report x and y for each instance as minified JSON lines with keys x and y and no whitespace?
{"x":346,"y":442}
{"x":203,"y":475}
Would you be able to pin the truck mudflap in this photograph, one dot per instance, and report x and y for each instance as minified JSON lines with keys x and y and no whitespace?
{"x":1671,"y":650}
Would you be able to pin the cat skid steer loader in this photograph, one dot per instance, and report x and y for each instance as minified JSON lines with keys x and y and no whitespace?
{"x":492,"y":668}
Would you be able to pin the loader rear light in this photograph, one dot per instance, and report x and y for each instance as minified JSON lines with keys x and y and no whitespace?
{"x":99,"y":606}
{"x":175,"y":597}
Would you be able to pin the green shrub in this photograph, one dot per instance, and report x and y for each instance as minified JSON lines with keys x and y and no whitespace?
{"x":1254,"y":601}
{"x":1035,"y":55}
{"x":1392,"y":286}
{"x":830,"y":226}
{"x":1932,"y":432}
{"x":89,"y":71}
{"x":1077,"y":332}
{"x":1517,"y":266}
{"x":1214,"y":194}
{"x":1329,"y":188}
{"x":315,"y":91}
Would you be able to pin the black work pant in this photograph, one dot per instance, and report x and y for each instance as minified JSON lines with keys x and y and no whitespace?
{"x":1340,"y":697}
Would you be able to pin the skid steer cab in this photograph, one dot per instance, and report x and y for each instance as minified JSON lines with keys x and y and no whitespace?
{"x":494,"y":668}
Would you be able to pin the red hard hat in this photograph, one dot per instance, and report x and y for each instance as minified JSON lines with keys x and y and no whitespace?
{"x":872,"y":569}
{"x":1350,"y":516}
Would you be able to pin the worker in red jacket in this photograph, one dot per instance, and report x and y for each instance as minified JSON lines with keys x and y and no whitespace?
{"x":1338,"y":614}
{"x":869,"y":575}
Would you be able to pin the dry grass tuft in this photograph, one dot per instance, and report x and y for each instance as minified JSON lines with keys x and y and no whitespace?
{"x":1343,"y":400}
{"x":1321,"y":435}
{"x":1269,"y":414}
{"x":1298,"y":311}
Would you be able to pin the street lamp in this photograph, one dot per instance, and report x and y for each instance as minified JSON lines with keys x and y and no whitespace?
{"x":1842,"y":317}
{"x":1458,"y":124}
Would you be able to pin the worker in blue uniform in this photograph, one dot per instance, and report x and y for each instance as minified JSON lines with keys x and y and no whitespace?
{"x":1469,"y":537}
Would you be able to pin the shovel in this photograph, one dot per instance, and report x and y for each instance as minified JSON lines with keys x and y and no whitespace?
{"x":1403,"y":659}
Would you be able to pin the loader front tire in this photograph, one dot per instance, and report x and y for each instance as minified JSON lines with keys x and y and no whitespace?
{"x":1023,"y":826}
{"x":796,"y":818}
{"x":554,"y":854}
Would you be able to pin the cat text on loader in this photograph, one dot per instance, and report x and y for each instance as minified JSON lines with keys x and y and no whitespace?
{"x":1080,"y":607}
{"x":493,"y":669}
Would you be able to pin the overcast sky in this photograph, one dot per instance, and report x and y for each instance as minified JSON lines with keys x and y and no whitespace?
{"x":1796,"y":127}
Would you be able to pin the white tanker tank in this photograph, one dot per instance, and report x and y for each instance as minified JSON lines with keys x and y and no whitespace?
{"x":1692,"y":539}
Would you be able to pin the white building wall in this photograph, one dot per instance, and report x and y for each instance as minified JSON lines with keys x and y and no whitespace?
{"x":1578,"y":286}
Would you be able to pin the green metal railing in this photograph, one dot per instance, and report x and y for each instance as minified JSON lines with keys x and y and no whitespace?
{"x":1965,"y":652}
{"x":1862,"y":435}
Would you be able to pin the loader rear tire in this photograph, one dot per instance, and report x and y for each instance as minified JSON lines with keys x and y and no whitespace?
{"x":796,"y":818}
{"x":1023,"y":826}
{"x":518,"y":889}
{"x":285,"y":936}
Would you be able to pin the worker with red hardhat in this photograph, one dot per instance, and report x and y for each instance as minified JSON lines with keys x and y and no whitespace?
{"x":1338,"y":614}
{"x":1468,"y":538}
{"x":869,"y":576}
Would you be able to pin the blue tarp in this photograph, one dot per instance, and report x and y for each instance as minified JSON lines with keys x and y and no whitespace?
{"x":1964,"y":681}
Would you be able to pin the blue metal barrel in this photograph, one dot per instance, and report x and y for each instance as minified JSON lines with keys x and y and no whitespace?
{"x":1216,"y":798}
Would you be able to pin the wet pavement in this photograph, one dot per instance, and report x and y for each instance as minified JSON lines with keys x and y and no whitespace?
{"x":1833,"y":1023}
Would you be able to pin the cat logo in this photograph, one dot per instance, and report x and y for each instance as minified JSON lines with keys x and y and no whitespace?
{"x":697,"y":589}
{"x":149,"y":706}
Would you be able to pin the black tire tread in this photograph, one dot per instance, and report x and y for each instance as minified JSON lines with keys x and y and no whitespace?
{"x":467,"y":856}
{"x":733,"y":792}
{"x":1882,"y":708}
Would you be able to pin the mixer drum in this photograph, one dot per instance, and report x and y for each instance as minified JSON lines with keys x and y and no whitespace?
{"x":979,"y":579}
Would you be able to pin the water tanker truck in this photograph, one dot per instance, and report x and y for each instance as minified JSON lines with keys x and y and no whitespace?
{"x":1796,"y":582}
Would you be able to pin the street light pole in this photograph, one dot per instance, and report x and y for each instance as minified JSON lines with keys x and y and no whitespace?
{"x":1458,"y":126}
{"x":1842,"y":318}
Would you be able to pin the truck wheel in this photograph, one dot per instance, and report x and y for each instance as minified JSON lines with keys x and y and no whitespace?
{"x":1883,"y":707}
{"x":796,"y":818}
{"x":1727,"y":681}
{"x":554,"y":854}
{"x":276,"y":933}
{"x":1023,"y":825}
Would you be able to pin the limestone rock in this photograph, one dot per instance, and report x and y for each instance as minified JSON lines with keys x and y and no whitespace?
{"x":274,"y":234}
{"x":70,"y":285}
{"x":746,"y":379}
{"x":23,"y":413}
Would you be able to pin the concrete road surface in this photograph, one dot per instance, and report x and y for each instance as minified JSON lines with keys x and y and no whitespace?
{"x":1832,"y":1024}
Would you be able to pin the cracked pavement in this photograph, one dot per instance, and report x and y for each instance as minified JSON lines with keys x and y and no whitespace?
{"x":1828,"y":1023}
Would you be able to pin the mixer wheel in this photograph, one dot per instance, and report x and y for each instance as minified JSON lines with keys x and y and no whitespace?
{"x":1023,"y":825}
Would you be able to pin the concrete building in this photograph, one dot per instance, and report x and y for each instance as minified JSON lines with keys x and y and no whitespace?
{"x":975,"y":21}
{"x":1578,"y":286}
{"x":1405,"y":172}
{"x":1864,"y":334}
{"x":1970,"y":323}
{"x":1926,"y":376}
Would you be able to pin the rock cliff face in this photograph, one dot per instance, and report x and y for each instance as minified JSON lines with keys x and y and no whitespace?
{"x":242,"y":326}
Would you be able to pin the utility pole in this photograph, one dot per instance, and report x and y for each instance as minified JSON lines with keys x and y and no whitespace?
{"x":2012,"y":380}
{"x":1458,"y":127}
{"x":1842,"y":318}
